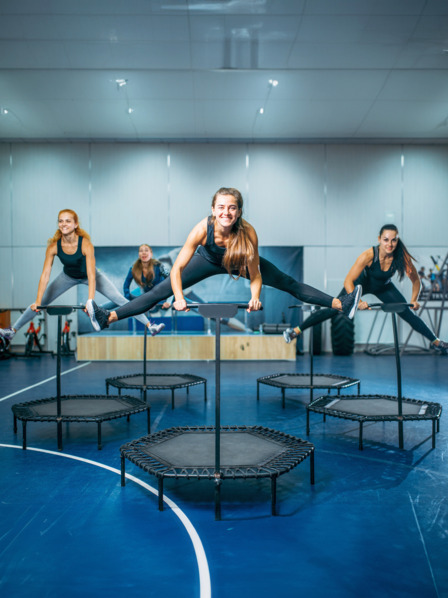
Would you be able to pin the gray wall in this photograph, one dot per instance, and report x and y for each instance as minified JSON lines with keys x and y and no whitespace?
{"x":332,"y":199}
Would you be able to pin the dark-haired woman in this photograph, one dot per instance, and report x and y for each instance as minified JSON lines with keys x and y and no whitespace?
{"x":224,"y":243}
{"x":374,"y":270}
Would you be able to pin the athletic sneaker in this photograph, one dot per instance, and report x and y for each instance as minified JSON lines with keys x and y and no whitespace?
{"x":7,"y":333}
{"x":155,"y":328}
{"x":350,"y":302}
{"x":441,"y":348}
{"x":98,"y":315}
{"x":289,"y":334}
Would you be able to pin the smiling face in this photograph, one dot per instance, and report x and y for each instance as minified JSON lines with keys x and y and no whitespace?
{"x":145,"y":253}
{"x":67,"y":223}
{"x":388,"y":241}
{"x":225,"y":210}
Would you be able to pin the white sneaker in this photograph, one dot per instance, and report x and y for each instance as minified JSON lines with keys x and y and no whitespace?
{"x":289,"y":334}
{"x":155,"y":328}
{"x":7,"y":333}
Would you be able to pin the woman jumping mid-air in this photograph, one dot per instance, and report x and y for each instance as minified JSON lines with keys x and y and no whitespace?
{"x":224,"y":243}
{"x":374,"y":270}
{"x":71,"y":244}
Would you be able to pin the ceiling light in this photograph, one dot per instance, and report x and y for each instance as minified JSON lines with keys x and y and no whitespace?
{"x":130,"y":110}
{"x":121,"y":82}
{"x":273,"y":82}
{"x":261,"y":111}
{"x":4,"y":110}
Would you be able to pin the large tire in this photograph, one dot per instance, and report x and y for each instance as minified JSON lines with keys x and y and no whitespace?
{"x":342,"y":335}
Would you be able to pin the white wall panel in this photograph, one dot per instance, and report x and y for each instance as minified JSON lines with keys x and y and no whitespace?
{"x":426,"y":195}
{"x":364,"y":192}
{"x":129,"y":194}
{"x":286,"y":184}
{"x":196,"y":173}
{"x":5,"y":196}
{"x":47,"y":178}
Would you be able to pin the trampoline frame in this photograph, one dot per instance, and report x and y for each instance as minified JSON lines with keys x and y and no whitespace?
{"x":297,"y":451}
{"x":194,"y":381}
{"x":345,"y":382}
{"x":24,"y":413}
{"x":434,"y":410}
{"x":433,"y":413}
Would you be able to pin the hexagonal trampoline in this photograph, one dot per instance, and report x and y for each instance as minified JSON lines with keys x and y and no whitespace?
{"x":246,"y":452}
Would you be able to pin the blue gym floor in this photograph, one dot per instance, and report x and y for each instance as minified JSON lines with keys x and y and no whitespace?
{"x":375,"y":524}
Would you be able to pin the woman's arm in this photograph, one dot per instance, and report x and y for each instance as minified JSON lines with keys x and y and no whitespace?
{"x":413,"y":276}
{"x":196,"y":237}
{"x":89,"y":252}
{"x":254,"y":273}
{"x":45,"y":276}
{"x":127,"y":284}
{"x":362,"y":261}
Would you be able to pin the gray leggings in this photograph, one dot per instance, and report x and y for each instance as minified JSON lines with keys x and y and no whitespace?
{"x":63,"y":283}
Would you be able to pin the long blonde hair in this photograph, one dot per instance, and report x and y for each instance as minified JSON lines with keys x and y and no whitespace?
{"x":79,"y":231}
{"x":240,"y":250}
{"x":137,"y":268}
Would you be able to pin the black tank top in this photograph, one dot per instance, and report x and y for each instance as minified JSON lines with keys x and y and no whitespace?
{"x":74,"y":265}
{"x":210,"y":251}
{"x":377,"y":277}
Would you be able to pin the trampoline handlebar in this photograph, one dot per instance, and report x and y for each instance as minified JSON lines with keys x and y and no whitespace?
{"x":391,"y":307}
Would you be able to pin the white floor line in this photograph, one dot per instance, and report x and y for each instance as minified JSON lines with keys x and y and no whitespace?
{"x":204,"y":572}
{"x":424,"y":545}
{"x":44,"y":381}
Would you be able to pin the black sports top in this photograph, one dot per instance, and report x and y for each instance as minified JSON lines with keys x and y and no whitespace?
{"x":210,"y":251}
{"x":74,"y":265}
{"x":378,"y":277}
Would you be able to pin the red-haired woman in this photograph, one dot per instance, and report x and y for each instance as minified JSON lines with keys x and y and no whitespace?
{"x":221,"y":243}
{"x":72,"y":245}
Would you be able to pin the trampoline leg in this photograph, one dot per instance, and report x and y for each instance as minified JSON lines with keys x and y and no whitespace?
{"x":123,"y":473}
{"x":258,"y":391}
{"x":324,"y":417}
{"x":59,"y":434}
{"x":15,"y":425}
{"x":273,"y":494}
{"x":433,"y":433}
{"x":128,"y":418}
{"x":188,"y":390}
{"x":205,"y":391}
{"x":218,"y":482}
{"x":359,"y":387}
{"x":360,"y":436}
{"x":172,"y":398}
{"x":307,"y":422}
{"x":24,"y":434}
{"x":107,"y":389}
{"x":283,"y":398}
{"x":148,"y":414}
{"x":312,"y":468}
{"x":161,"y":494}
{"x":400,"y":434}
{"x":438,"y":425}
{"x":99,"y":436}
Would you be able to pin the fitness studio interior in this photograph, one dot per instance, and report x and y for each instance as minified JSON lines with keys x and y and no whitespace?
{"x":220,"y":452}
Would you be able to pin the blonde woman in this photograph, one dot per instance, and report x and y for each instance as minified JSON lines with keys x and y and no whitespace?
{"x":72,"y":245}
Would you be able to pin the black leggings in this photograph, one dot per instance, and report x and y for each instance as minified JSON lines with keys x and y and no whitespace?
{"x":199,"y":269}
{"x":387,"y":294}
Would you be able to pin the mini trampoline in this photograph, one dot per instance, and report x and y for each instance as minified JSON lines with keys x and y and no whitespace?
{"x":374,"y":408}
{"x":74,"y":408}
{"x":217,"y":452}
{"x":144,"y":382}
{"x":247,"y":452}
{"x":309,"y":380}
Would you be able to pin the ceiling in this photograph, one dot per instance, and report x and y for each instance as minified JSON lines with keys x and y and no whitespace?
{"x":199,"y":70}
